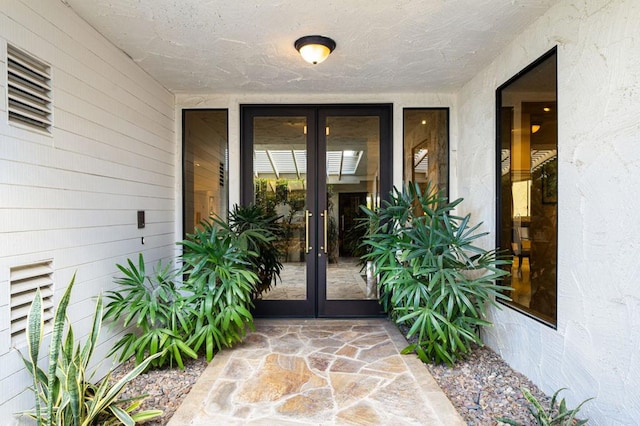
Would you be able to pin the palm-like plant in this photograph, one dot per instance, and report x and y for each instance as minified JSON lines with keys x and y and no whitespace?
{"x":160,"y":312}
{"x":65,"y":395}
{"x":261,"y":234}
{"x":221,"y":283}
{"x":432,"y":278}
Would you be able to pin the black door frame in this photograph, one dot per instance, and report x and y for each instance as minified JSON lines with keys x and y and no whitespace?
{"x":316,"y":304}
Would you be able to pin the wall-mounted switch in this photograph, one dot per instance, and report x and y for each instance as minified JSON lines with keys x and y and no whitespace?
{"x":140,"y":219}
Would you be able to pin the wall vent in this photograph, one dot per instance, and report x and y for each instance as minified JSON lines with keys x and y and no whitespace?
{"x":221,"y":173}
{"x":23,"y":282}
{"x":29,"y":90}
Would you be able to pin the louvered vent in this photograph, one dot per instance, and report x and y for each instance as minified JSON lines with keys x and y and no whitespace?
{"x":29,"y":95}
{"x":221,"y":173}
{"x":24,"y":281}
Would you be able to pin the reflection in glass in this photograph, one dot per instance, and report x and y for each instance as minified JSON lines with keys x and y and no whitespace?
{"x":280,"y":175}
{"x":204,"y":166}
{"x":352,"y":161}
{"x":528,"y":171}
{"x":426,"y":146}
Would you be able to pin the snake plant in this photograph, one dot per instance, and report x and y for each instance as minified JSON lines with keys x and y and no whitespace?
{"x":65,"y":394}
{"x":557,"y":414}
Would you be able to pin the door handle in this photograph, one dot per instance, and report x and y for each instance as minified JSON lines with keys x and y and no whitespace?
{"x":325,"y":247}
{"x":307,"y":247}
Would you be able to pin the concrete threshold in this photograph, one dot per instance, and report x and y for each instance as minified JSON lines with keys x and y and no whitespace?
{"x":317,"y":372}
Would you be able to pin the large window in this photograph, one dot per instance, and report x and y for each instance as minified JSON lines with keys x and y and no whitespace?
{"x":204,"y":165}
{"x":426,"y":146}
{"x":527,"y":179}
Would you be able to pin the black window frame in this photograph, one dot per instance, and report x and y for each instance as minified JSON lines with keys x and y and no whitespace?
{"x":531,"y":313}
{"x":184,"y":171}
{"x":447,"y":111}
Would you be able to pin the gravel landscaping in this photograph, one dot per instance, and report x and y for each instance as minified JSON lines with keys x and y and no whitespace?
{"x":484,"y":387}
{"x":481,"y":388}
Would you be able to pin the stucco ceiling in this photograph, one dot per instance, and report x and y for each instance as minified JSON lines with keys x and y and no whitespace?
{"x":246,"y":46}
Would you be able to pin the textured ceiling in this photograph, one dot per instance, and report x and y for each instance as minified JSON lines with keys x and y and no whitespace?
{"x":246,"y":46}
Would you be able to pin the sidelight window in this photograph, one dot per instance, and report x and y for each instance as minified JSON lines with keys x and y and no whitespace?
{"x":204,"y":165}
{"x":426,"y":146}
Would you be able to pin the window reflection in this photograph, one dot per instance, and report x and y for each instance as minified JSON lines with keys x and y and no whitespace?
{"x":205,"y":189}
{"x":426,"y":146}
{"x":528,"y":186}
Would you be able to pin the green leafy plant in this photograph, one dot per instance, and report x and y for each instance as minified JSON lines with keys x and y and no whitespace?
{"x":211,"y":309}
{"x":261,"y":233}
{"x":556,"y":415}
{"x":433,"y":280}
{"x":64,"y":394}
{"x":162,"y":315}
{"x":221,"y":284}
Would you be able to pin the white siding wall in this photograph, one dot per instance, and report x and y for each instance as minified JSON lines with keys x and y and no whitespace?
{"x":73,"y":196}
{"x":595,"y":350}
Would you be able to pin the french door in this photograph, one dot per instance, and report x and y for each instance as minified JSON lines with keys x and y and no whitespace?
{"x":298,"y":162}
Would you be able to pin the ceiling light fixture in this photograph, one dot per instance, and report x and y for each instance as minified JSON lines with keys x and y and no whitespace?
{"x":314,"y":48}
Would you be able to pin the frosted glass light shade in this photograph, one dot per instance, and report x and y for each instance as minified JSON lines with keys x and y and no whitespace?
{"x":314,"y":49}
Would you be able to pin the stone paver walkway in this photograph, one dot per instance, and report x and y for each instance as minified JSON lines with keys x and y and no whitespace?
{"x":317,"y":372}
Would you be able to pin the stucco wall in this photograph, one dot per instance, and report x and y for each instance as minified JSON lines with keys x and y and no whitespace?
{"x":72,"y":196}
{"x":595,"y":350}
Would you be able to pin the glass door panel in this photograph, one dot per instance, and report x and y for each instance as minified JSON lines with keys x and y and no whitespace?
{"x":352,"y":169}
{"x":280,"y":188}
{"x":351,"y":142}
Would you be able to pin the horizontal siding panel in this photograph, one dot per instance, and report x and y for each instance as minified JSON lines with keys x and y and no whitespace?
{"x":111,"y":97}
{"x":98,"y":275}
{"x":23,"y":220}
{"x":81,"y":126}
{"x":16,"y":399}
{"x":95,"y":275}
{"x":47,"y":198}
{"x":89,"y":239}
{"x":57,"y":239}
{"x":66,"y":101}
{"x":68,"y":165}
{"x":9,"y":132}
{"x":10,"y":362}
{"x":34,"y":176}
{"x":113,"y":154}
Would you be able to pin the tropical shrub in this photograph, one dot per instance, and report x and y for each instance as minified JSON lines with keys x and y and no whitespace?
{"x":221,"y":283}
{"x":162,"y":315}
{"x":433,"y":280}
{"x":64,"y":394}
{"x":556,"y":415}
{"x":261,"y":233}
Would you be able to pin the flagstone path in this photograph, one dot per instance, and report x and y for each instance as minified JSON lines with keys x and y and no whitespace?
{"x":317,"y":372}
